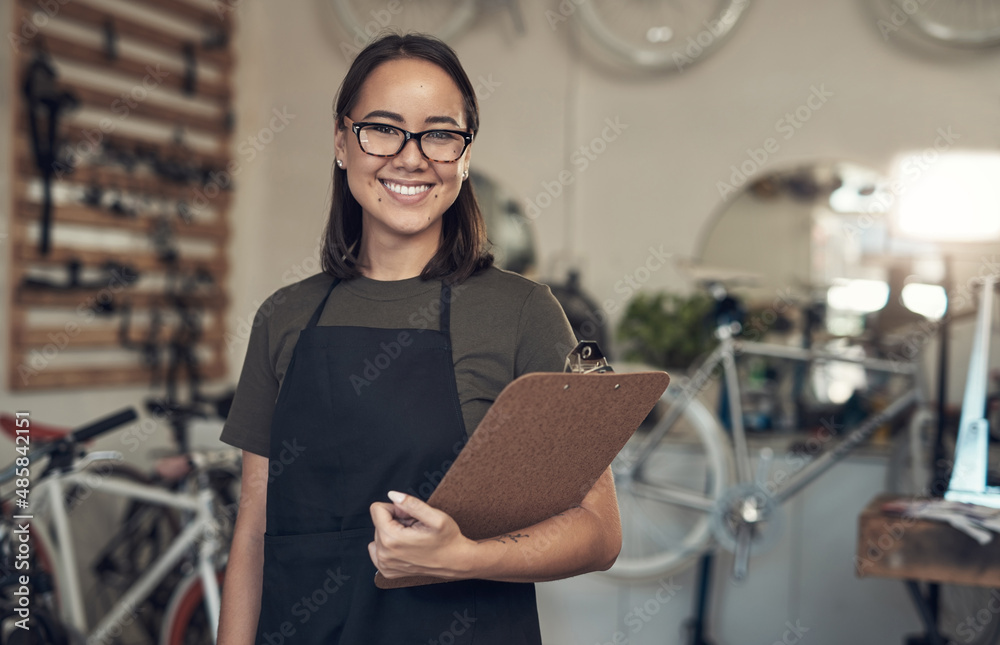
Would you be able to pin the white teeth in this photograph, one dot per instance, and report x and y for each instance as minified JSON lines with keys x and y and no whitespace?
{"x":405,"y":190}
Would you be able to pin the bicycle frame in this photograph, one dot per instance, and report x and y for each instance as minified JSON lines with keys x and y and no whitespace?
{"x":725,"y":354}
{"x":203,"y":527}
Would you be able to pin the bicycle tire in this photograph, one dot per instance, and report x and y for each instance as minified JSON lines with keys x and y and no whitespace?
{"x":185,"y":621}
{"x":445,"y":19}
{"x":660,"y":537}
{"x":620,"y":31}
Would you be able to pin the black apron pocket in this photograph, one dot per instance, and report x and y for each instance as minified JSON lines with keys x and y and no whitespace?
{"x":319,"y":588}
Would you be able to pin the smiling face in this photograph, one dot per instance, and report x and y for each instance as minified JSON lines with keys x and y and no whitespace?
{"x":403,"y":197}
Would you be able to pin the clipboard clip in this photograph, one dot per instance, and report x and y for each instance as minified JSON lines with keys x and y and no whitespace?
{"x":586,"y":358}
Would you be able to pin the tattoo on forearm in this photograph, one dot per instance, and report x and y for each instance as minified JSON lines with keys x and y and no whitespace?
{"x":567,"y":510}
{"x":513,"y":538}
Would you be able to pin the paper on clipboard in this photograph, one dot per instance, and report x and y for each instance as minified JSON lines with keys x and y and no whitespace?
{"x":538,"y":451}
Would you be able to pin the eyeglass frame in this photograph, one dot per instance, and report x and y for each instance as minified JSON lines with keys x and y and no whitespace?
{"x":407,"y":135}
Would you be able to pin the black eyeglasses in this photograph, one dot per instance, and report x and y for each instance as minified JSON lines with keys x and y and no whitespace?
{"x":384,"y":140}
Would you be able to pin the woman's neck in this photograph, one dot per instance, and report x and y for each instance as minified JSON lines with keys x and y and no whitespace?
{"x":394,"y":259}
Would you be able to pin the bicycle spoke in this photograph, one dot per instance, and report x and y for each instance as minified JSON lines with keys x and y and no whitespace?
{"x":674,"y":495}
{"x":648,"y":528}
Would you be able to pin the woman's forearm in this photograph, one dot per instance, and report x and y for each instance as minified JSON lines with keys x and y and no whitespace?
{"x":580,"y":540}
{"x":242,"y":591}
{"x":245,"y":570}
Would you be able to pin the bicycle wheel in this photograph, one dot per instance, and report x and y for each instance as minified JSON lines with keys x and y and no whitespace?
{"x":185,"y":621}
{"x":666,"y":504}
{"x":657,"y":35}
{"x":446,"y":19}
{"x":967,"y":23}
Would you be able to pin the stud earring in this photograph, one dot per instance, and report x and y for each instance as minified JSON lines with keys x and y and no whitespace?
{"x":465,"y":175}
{"x":340,"y":163}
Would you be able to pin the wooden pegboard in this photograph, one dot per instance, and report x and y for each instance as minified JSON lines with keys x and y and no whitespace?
{"x":141,"y":187}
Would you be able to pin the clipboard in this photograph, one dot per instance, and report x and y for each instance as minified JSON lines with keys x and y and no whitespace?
{"x":539,"y":450}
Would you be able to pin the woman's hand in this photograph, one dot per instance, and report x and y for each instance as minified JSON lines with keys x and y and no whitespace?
{"x":413,"y":539}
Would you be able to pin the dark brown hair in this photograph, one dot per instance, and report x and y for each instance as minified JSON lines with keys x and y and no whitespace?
{"x":463,"y":249}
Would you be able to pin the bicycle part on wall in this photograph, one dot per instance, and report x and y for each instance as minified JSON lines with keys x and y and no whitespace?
{"x":146,"y":156}
{"x":363,"y":19}
{"x":973,"y":24}
{"x":656,"y":35}
{"x":45,"y":101}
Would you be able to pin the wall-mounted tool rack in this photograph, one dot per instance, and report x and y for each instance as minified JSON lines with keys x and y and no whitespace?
{"x":119,"y":222}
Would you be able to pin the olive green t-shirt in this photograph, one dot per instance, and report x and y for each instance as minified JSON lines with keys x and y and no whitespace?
{"x":502,"y":326}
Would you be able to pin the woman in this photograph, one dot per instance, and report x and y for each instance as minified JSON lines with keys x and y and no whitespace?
{"x":362,"y":383}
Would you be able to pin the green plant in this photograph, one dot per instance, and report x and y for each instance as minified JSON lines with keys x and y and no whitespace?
{"x":666,"y":330}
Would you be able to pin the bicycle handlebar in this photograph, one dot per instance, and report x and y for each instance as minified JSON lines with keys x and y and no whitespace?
{"x":79,"y":435}
{"x":103,"y":425}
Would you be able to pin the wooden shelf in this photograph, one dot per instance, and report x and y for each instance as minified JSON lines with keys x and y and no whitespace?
{"x":134,"y":183}
{"x":214,"y":300}
{"x":896,"y":546}
{"x":51,"y":378}
{"x":135,"y":70}
{"x":83,"y":215}
{"x":141,"y":261}
{"x":85,"y":14}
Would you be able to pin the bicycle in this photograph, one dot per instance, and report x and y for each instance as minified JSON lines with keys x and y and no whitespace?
{"x":140,"y":565}
{"x":667,"y":523}
{"x":445,"y":19}
{"x":655,"y":36}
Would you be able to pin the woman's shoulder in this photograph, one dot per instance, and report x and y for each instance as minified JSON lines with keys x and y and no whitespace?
{"x":504,"y":293}
{"x":505,"y":282}
{"x":290,"y":302}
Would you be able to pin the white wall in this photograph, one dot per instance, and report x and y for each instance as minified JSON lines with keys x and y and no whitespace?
{"x":656,"y":184}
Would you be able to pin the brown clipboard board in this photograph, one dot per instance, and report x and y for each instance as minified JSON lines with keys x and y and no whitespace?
{"x":540,"y":448}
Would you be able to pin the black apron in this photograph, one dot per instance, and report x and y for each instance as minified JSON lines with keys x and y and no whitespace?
{"x":363,"y":411}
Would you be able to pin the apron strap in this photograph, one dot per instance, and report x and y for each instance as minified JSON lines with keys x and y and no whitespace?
{"x":319,"y":309}
{"x":445,"y":320}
